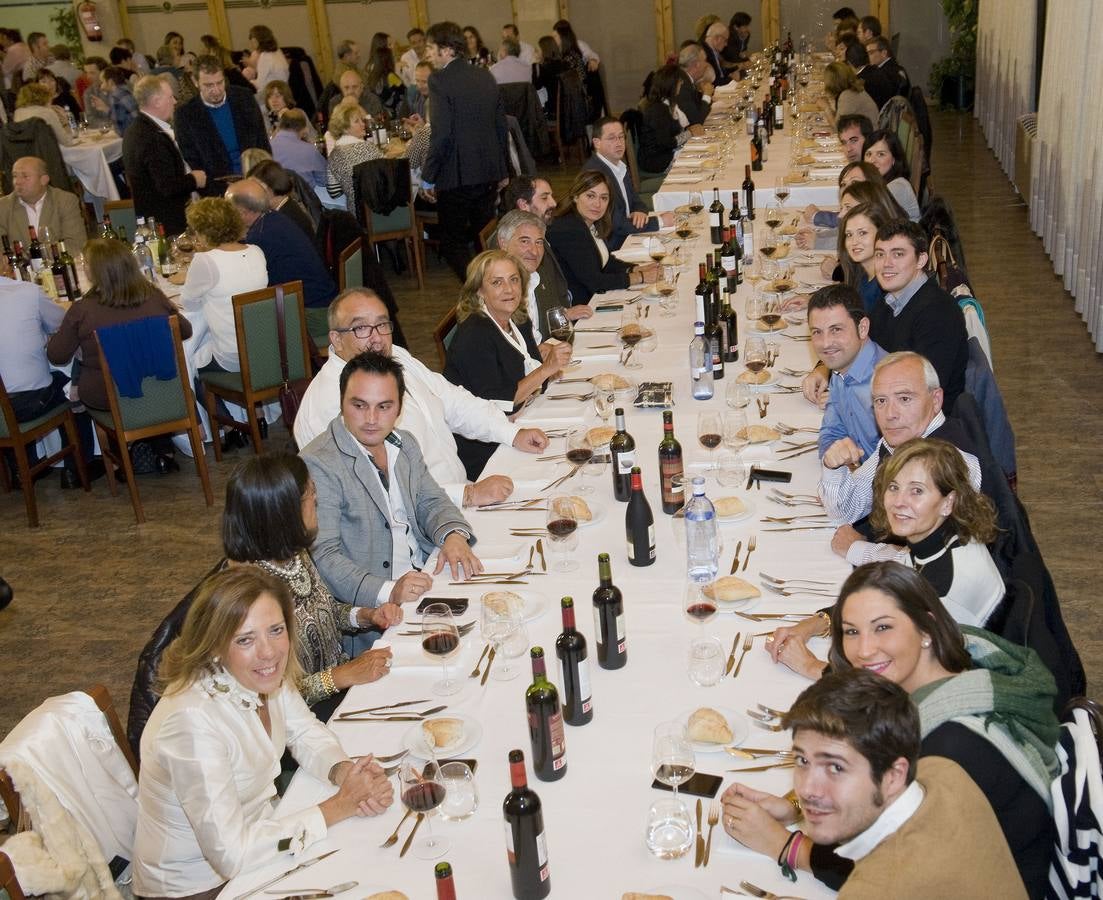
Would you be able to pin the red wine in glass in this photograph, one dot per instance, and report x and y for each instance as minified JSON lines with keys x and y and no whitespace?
{"x":423,"y":797}
{"x":440,"y":643}
{"x":755,"y":365}
{"x":561,"y":528}
{"x":702,"y":611}
{"x":709,"y":441}
{"x":580,"y":455}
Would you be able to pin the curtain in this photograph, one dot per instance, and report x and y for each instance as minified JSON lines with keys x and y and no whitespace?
{"x":1066,"y":208}
{"x":1006,"y":38}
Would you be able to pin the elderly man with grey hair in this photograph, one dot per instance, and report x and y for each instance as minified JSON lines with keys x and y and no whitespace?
{"x":694,"y":96}
{"x":907,"y":403}
{"x":522,"y":234}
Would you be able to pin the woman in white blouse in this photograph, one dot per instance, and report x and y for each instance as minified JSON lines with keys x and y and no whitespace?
{"x":266,"y":59}
{"x":229,"y":267}
{"x":212,"y":747}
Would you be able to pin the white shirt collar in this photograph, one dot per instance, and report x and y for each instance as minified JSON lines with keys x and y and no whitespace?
{"x":162,"y":124}
{"x":888,"y":823}
{"x":346,"y":139}
{"x":619,"y":167}
{"x":34,"y":210}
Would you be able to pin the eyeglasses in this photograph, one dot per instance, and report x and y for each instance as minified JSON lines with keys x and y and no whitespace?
{"x":363,"y":331}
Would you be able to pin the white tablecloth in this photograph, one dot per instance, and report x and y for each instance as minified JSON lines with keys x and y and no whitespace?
{"x":595,"y":815}
{"x":89,"y":159}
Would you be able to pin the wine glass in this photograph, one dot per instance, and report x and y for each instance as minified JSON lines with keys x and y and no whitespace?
{"x":696,"y":202}
{"x":672,"y":759}
{"x":461,"y":794}
{"x":630,"y":334}
{"x":422,"y":790}
{"x":706,"y":661}
{"x":604,"y":402}
{"x":440,"y":639}
{"x":773,"y":218}
{"x":668,"y":292}
{"x":781,"y":190}
{"x":770,"y":313}
{"x":735,"y":429}
{"x":580,"y":452}
{"x":656,"y":249}
{"x":595,"y":468}
{"x":504,"y":627}
{"x":709,"y":433}
{"x":699,"y":607}
{"x":562,"y":525}
{"x":682,"y":227}
{"x":754,"y":354}
{"x":560,"y":326}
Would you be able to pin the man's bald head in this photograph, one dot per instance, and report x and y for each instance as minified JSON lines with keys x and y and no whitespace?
{"x":29,"y":178}
{"x":250,"y":197}
{"x":358,"y":307}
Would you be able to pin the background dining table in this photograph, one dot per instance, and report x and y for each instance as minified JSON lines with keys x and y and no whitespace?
{"x":89,"y":160}
{"x":595,"y":816}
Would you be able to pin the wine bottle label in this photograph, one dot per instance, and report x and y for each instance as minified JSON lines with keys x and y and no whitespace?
{"x":632,"y":555}
{"x":625,"y":459}
{"x":714,"y":219}
{"x":583,"y":669}
{"x":511,"y":853}
{"x":542,"y":855}
{"x":673,"y":493}
{"x":558,"y":742}
{"x":728,"y":262}
{"x":598,"y":636}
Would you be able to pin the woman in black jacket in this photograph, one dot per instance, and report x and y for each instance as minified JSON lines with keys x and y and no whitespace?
{"x":663,"y":127}
{"x":577,"y":235}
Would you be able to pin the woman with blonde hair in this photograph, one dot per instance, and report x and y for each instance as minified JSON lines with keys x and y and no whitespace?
{"x":212,"y":747}
{"x":846,"y":94}
{"x":34,"y":102}
{"x":349,"y":125}
{"x":493,"y":353}
{"x":223,"y":267}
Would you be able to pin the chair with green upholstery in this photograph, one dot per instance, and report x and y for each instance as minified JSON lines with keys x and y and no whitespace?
{"x":400,"y":224}
{"x":258,"y":348}
{"x":166,"y":406}
{"x":443,"y":334}
{"x":122,"y":213}
{"x":350,"y":266}
{"x":18,"y":436}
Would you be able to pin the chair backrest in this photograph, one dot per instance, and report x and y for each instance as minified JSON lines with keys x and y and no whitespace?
{"x":122,"y":213}
{"x":443,"y":334}
{"x":350,"y":266}
{"x":258,"y":340}
{"x":382,"y":186}
{"x":32,"y":137}
{"x":487,"y":232}
{"x":8,"y":423}
{"x":137,"y":349}
{"x":8,"y":882}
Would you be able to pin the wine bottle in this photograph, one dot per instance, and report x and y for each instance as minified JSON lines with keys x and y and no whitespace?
{"x":748,"y":197}
{"x":711,"y":277}
{"x":37,"y":262}
{"x":21,"y":263}
{"x":60,"y":273}
{"x":622,"y":449}
{"x":701,"y":290}
{"x":446,"y":887}
{"x":574,"y":669}
{"x":670,"y":464}
{"x":729,"y":258}
{"x":756,"y":150}
{"x":526,"y":847}
{"x":106,"y":229}
{"x":731,"y":354}
{"x":68,"y":262}
{"x":612,"y":649}
{"x":779,"y":110}
{"x":700,"y":364}
{"x":722,"y":308}
{"x":748,"y":239}
{"x":764,"y":143}
{"x":549,"y":749}
{"x":716,"y":218}
{"x":639,"y":525}
{"x":712,"y":334}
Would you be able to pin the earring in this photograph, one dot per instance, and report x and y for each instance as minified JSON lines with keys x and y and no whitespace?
{"x":926,"y":644}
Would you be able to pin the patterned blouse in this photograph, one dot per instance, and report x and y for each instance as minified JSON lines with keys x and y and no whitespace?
{"x":344,"y":158}
{"x":319,"y":618}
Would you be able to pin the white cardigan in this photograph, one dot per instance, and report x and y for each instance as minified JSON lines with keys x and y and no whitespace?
{"x":205,"y":790}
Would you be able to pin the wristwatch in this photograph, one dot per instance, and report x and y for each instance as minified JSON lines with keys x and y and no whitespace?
{"x":457,"y":530}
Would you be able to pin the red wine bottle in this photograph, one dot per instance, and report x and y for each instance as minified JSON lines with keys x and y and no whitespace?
{"x":526,"y":847}
{"x":574,"y":669}
{"x":639,"y":525}
{"x":446,"y":887}
{"x":748,"y":196}
{"x":716,"y":217}
{"x":549,"y":747}
{"x":622,"y":448}
{"x":612,"y":650}
{"x":731,"y":352}
{"x":670,"y":464}
{"x":38,"y":263}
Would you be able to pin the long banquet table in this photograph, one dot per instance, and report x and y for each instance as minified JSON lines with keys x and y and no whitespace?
{"x":595,"y":815}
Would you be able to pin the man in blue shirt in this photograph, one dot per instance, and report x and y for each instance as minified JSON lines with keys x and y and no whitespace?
{"x":840,"y":335}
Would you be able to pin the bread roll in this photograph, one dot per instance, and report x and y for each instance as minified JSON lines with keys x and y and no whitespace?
{"x":581,"y":509}
{"x":607,"y":381}
{"x":729,"y":506}
{"x":600,"y":436}
{"x":730,"y":588}
{"x":782,"y":250}
{"x":503,"y":602}
{"x":440,"y":734}
{"x":388,"y":895}
{"x":749,"y":377}
{"x":635,"y":895}
{"x":708,"y":726}
{"x":781,"y":285}
{"x":758,"y":434}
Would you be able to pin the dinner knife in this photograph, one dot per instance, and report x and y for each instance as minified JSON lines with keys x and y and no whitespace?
{"x":410,"y":839}
{"x":371,"y":709}
{"x":540,"y":550}
{"x":735,"y":564}
{"x":735,"y":644}
{"x":489,"y":663}
{"x":700,"y":856}
{"x":279,"y":878}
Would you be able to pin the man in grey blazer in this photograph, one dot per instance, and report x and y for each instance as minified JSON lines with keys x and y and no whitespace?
{"x":380,"y":513}
{"x":33,"y":202}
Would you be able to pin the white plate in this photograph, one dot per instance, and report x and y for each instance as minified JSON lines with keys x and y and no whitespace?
{"x":679,"y":892}
{"x":748,"y":511}
{"x":736,"y":722}
{"x":598,"y":510}
{"x":758,"y":326}
{"x":414,"y":741}
{"x":771,"y":380}
{"x":536,"y":604}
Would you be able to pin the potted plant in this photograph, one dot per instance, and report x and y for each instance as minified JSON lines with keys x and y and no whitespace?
{"x":953,"y":78}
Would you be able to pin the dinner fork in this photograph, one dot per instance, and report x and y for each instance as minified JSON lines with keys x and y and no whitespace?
{"x":589,"y":396}
{"x":766,"y":725}
{"x":779,"y":581}
{"x":808,"y":498}
{"x":793,"y":429}
{"x":776,"y":713}
{"x":793,"y":592}
{"x":756,"y":891}
{"x":393,"y":839}
{"x":751,"y":545}
{"x":747,"y":644}
{"x":714,"y":818}
{"x":794,"y":373}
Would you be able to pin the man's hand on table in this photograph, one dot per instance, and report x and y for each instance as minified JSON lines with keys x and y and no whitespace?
{"x":843,"y":537}
{"x":458,"y":555}
{"x":381,"y":617}
{"x":844,"y":452}
{"x":493,"y":488}
{"x":369,"y":666}
{"x":805,"y":237}
{"x":529,"y":440}
{"x":809,"y":213}
{"x":582,"y":311}
{"x":639,"y":219}
{"x":755,"y":818}
{"x":814,"y":386}
{"x":410,"y":587}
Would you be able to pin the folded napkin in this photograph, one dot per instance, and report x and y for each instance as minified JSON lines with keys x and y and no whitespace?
{"x":684,"y":179}
{"x":630,"y":255}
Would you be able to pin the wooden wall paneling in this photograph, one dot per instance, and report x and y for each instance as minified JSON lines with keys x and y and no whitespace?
{"x":617,"y":32}
{"x":665,"y":40}
{"x":419,"y":16}
{"x":882,"y":9}
{"x":320,"y":35}
{"x":770,"y":11}
{"x":487,"y":15}
{"x":220,"y":22}
{"x":685,"y":15}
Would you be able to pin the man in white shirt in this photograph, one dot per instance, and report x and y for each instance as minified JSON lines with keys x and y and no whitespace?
{"x":527,"y":53}
{"x":407,"y":63}
{"x":33,"y":203}
{"x":510,"y":68}
{"x":433,"y":408}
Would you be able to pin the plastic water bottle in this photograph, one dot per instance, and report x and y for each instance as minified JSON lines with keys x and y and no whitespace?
{"x":145,"y":259}
{"x":700,"y":364}
{"x":702,"y":539}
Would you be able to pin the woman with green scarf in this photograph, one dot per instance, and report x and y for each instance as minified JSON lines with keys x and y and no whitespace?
{"x":984,"y":703}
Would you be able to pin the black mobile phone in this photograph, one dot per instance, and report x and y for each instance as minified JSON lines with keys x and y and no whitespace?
{"x":700,"y":785}
{"x":758,"y":474}
{"x":472,"y":764}
{"x":458,"y":605}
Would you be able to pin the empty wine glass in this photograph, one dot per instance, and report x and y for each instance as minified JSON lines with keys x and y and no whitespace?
{"x":709,"y":434}
{"x":562,"y":523}
{"x":422,"y":790}
{"x":735,"y":429}
{"x":604,"y":402}
{"x":580,"y":452}
{"x":503,"y":627}
{"x":560,"y":326}
{"x":667,"y":290}
{"x":440,"y":639}
{"x":461,"y":794}
{"x":705,"y":661}
{"x":672,"y":759}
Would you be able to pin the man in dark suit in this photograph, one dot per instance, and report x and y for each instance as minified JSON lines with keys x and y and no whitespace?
{"x":714,"y":42}
{"x":219,"y":123}
{"x":161,"y":182}
{"x":467,"y":161}
{"x":880,"y":55}
{"x":630,"y":214}
{"x":879,"y":84}
{"x":695,"y":88}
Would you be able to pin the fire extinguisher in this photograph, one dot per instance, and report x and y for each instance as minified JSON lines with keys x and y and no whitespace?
{"x":86,"y":12}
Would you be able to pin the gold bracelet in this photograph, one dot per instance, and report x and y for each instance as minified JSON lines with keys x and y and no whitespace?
{"x":826,"y":623}
{"x":327,"y":681}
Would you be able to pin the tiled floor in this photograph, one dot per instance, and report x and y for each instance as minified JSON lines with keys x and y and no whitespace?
{"x":90,"y":585}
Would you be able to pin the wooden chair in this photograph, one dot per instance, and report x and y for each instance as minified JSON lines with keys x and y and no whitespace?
{"x":258,"y":350}
{"x":165,"y":407}
{"x":443,"y":333}
{"x":487,"y":232}
{"x":122,"y":213}
{"x":18,"y":436}
{"x":8,"y":882}
{"x":424,"y":218}
{"x":400,"y":224}
{"x":350,"y":266}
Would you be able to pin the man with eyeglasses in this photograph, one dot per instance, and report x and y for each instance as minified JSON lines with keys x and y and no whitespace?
{"x":433,"y":408}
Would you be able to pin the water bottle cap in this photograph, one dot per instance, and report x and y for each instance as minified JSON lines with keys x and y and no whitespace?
{"x":698,"y":485}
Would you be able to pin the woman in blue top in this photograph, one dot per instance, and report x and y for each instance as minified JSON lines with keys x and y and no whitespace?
{"x":857,"y":236}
